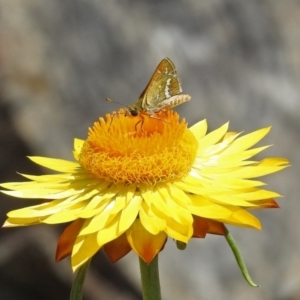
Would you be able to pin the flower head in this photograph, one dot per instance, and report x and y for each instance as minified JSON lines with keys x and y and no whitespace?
{"x":139,"y":179}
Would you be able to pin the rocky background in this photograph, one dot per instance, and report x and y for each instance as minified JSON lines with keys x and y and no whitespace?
{"x":240,"y":61}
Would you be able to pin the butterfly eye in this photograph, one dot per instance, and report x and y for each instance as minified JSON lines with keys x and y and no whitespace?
{"x":134,"y":112}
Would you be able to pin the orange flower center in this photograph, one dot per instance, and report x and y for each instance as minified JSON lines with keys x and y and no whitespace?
{"x":139,"y":149}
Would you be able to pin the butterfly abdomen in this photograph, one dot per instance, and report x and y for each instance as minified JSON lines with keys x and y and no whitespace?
{"x":173,"y":101}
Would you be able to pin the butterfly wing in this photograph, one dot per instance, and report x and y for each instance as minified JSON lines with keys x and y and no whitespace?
{"x":163,"y":84}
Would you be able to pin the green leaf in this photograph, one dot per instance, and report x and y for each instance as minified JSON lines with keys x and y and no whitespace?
{"x":239,"y":258}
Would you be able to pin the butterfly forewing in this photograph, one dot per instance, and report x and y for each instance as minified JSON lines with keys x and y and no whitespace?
{"x":163,"y":84}
{"x":165,"y":67}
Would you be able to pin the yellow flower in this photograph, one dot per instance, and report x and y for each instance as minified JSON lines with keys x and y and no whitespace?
{"x":139,"y":179}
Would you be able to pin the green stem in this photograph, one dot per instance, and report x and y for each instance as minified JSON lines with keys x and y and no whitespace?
{"x":150,"y":279}
{"x":77,"y":287}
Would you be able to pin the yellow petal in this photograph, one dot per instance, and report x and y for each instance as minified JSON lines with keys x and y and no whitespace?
{"x":130,"y":212}
{"x":232,"y":160}
{"x":84,"y":248}
{"x":145,"y":244}
{"x":223,"y":213}
{"x":178,"y":231}
{"x":59,"y":165}
{"x":179,"y":196}
{"x":14,"y":222}
{"x":260,"y":169}
{"x":110,"y":232}
{"x":199,"y":129}
{"x":36,"y":193}
{"x":179,"y":213}
{"x":218,"y":148}
{"x":97,"y":223}
{"x":247,"y":141}
{"x":65,"y":215}
{"x":212,"y":138}
{"x":39,"y":211}
{"x":94,"y":207}
{"x":50,"y":178}
{"x":77,"y":148}
{"x":150,"y":221}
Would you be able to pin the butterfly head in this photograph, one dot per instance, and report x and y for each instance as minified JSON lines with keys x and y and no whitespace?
{"x":131,"y":111}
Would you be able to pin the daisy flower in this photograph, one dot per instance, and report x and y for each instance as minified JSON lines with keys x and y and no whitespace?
{"x":137,"y":180}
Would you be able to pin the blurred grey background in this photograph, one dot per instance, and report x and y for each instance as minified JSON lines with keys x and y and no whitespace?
{"x":238,"y":59}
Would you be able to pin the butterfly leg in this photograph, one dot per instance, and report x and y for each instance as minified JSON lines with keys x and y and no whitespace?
{"x":142,"y":120}
{"x":156,"y":118}
{"x":112,"y":118}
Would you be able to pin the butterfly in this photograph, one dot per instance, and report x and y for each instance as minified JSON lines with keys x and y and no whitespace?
{"x":161,"y":93}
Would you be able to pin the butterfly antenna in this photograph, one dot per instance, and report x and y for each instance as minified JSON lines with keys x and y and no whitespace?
{"x":110,"y":100}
